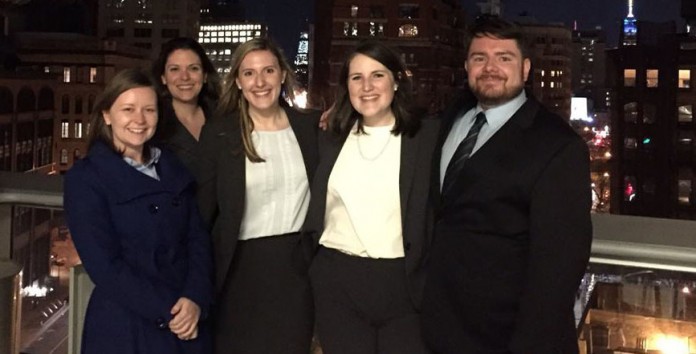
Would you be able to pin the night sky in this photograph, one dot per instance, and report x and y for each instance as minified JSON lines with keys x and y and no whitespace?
{"x":591,"y":13}
{"x":286,"y":17}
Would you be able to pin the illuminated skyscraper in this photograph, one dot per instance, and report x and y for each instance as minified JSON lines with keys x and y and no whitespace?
{"x":223,"y":28}
{"x":302,"y":60}
{"x":629,"y":31}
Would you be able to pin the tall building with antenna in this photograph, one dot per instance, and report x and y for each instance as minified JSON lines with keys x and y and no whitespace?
{"x":629,"y":32}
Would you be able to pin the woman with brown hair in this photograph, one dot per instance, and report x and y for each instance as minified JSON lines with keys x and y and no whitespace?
{"x":258,"y":155}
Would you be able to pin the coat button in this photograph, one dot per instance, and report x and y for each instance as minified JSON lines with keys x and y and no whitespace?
{"x":154,"y":208}
{"x":161,"y":323}
{"x":407,"y":246}
{"x":176,"y":202}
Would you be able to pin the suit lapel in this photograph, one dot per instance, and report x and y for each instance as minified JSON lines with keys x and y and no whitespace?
{"x":407,"y":169}
{"x":497,"y":147}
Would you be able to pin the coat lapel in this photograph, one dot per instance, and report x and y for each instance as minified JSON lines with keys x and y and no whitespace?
{"x":497,"y":147}
{"x":113,"y":169}
{"x":407,"y":169}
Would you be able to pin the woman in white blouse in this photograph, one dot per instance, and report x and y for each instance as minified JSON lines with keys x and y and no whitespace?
{"x":369,"y":220}
{"x":257,"y":159}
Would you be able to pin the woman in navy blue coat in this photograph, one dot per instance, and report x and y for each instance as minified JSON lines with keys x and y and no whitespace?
{"x":131,"y":211}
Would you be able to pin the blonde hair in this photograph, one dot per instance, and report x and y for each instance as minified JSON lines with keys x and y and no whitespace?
{"x":232,"y":99}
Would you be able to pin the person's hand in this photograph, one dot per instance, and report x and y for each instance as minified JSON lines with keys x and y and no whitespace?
{"x":324,"y":119}
{"x":185,"y":322}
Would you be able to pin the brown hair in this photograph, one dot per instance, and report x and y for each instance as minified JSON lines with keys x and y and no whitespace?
{"x":122,"y":82}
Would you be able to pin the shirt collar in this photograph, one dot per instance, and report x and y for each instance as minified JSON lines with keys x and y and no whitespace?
{"x":499,"y":115}
{"x":155,"y":154}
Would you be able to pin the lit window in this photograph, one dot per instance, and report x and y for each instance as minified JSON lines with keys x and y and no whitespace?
{"x":631,"y":112}
{"x":66,"y":74}
{"x":684,"y":186}
{"x":92,"y":75}
{"x":629,"y":188}
{"x":63,"y":156}
{"x":346,"y":29}
{"x":684,"y":79}
{"x":408,"y":30}
{"x":685,"y":113}
{"x":78,"y":129}
{"x":354,"y":11}
{"x":649,"y":113}
{"x":651,"y":77}
{"x":630,"y":77}
{"x":64,"y":129}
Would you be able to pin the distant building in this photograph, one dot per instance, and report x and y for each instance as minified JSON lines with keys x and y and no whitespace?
{"x":80,"y":67}
{"x":223,"y":28}
{"x":629,"y":29}
{"x":551,"y":75}
{"x":654,"y":150}
{"x":302,"y":60}
{"x":588,"y":67}
{"x":428,"y":33}
{"x":491,"y":7}
{"x":148,"y":23}
{"x":221,"y":38}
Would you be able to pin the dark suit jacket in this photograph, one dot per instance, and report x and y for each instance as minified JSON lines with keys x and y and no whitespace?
{"x":173,"y":136}
{"x":143,"y":244}
{"x":222,"y":179}
{"x":512,"y":240}
{"x":416,"y":212}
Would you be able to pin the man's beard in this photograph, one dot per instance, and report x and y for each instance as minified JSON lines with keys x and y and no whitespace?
{"x":494,"y":96}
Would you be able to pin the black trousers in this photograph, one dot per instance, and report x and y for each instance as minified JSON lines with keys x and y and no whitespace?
{"x":266,"y":304}
{"x":363,"y":305}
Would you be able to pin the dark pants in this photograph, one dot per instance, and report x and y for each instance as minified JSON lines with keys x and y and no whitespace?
{"x":363,"y":305}
{"x":266,"y":304}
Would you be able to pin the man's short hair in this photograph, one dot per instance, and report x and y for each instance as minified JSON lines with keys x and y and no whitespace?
{"x":496,"y":27}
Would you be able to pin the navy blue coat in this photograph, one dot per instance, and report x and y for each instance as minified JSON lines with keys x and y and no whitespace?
{"x":143,"y":245}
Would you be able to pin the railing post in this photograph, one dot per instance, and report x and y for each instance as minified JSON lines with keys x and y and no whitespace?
{"x":10,"y":307}
{"x":80,"y":291}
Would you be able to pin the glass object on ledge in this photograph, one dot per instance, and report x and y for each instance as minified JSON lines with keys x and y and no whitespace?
{"x":639,"y":292}
{"x":636,"y":310}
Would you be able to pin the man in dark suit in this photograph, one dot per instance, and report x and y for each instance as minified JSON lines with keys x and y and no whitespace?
{"x":513,"y":230}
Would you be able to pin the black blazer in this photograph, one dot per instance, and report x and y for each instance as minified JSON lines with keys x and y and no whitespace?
{"x":512,"y":239}
{"x":222,"y":179}
{"x":173,"y":136}
{"x":416,"y":211}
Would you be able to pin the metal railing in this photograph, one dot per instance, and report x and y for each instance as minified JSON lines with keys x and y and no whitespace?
{"x":619,"y":240}
{"x":26,"y":190}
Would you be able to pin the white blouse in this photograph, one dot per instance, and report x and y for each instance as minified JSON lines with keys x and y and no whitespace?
{"x":277,"y":190}
{"x":363,"y":209}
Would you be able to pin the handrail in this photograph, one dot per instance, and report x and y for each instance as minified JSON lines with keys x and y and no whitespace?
{"x":18,"y":189}
{"x":618,"y":239}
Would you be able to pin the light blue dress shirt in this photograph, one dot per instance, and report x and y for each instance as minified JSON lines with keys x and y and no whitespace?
{"x":496,"y":117}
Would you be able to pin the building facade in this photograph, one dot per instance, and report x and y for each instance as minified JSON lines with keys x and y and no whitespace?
{"x":428,"y":34}
{"x":147,"y":23}
{"x":550,"y":77}
{"x":654,"y":154}
{"x":80,"y":67}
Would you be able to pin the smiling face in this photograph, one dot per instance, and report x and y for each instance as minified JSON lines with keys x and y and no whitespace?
{"x":371,"y":88}
{"x":260,"y":79}
{"x":496,"y":70}
{"x":184,"y":75}
{"x":133,"y":118}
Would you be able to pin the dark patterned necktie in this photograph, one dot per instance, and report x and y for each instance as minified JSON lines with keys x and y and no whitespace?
{"x":463,"y":152}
